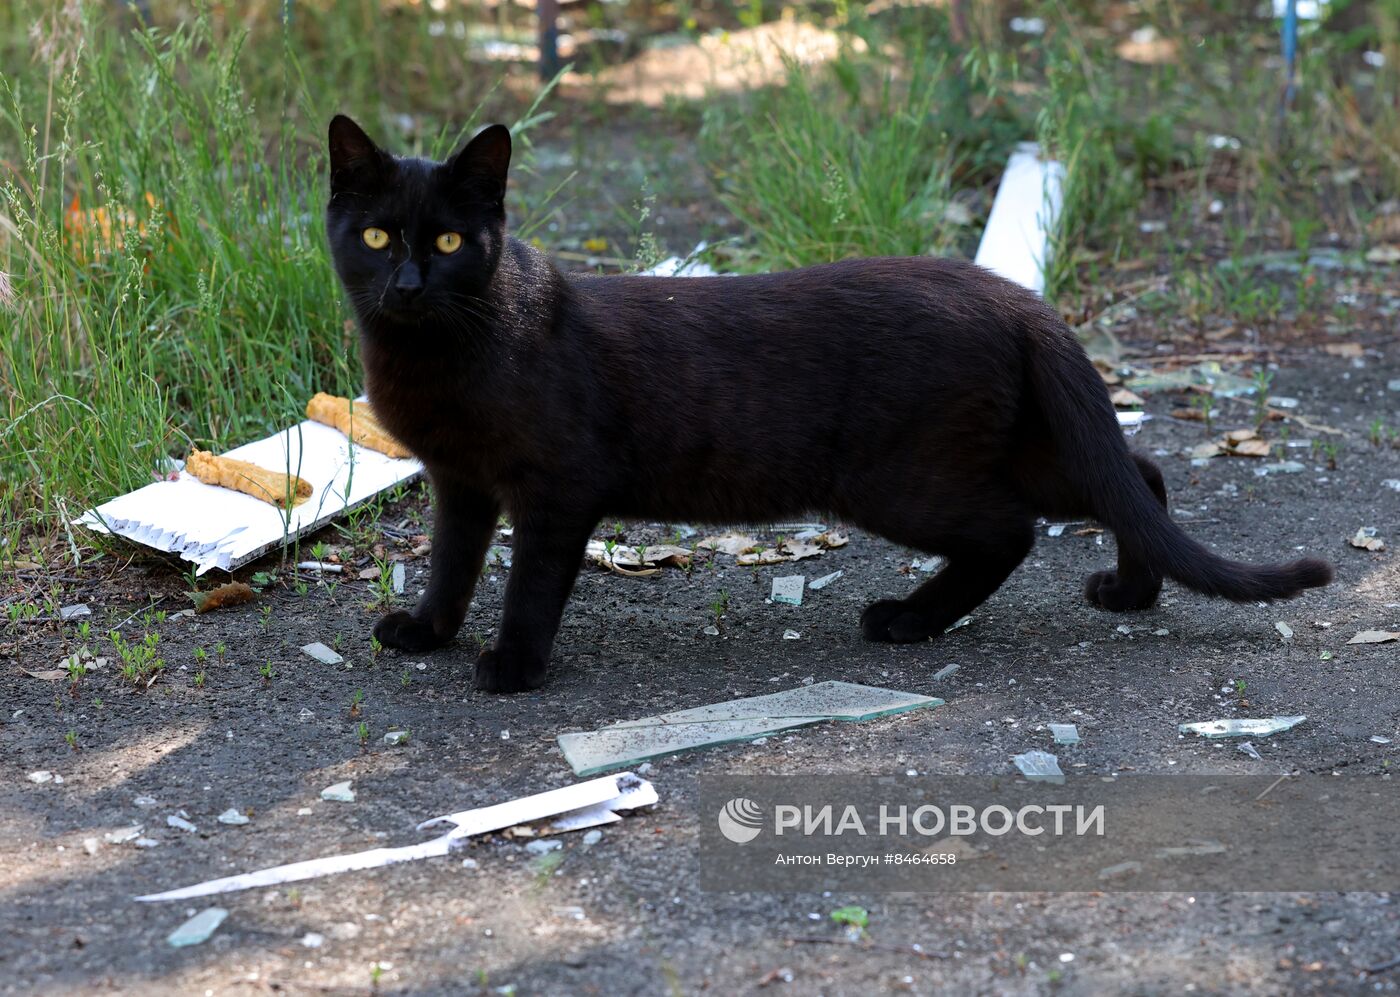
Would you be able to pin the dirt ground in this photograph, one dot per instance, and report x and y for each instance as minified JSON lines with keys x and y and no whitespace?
{"x":626,"y":915}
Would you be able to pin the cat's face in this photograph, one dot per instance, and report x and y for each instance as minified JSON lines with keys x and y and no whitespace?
{"x":415,"y":240}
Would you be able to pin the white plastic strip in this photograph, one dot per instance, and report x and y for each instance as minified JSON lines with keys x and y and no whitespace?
{"x":1016,"y":241}
{"x":582,"y":805}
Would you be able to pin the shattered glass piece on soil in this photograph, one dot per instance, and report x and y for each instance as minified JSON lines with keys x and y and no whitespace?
{"x":1065,"y":733}
{"x":232,"y":816}
{"x":1241,"y":727}
{"x":788,"y":589}
{"x":180,"y":823}
{"x":1282,"y":467}
{"x":1040,"y":766}
{"x":396,"y":737}
{"x":122,"y":835}
{"x":1202,"y":375}
{"x":1120,"y":871}
{"x":198,"y":928}
{"x":322,"y":653}
{"x":1194,"y":848}
{"x":397,"y":577}
{"x":1375,"y":637}
{"x":1249,"y":749}
{"x":623,"y":743}
{"x":339,"y":793}
{"x":824,"y":581}
{"x":1284,"y":630}
{"x":74,"y":611}
{"x":945,"y":671}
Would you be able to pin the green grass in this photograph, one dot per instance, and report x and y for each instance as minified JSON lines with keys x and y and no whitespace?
{"x":205,"y":313}
{"x":849,"y":161}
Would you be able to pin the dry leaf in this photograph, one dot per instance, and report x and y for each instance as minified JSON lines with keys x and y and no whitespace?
{"x":1348,"y":350}
{"x":1366,"y":539}
{"x":1240,"y":435}
{"x":637,"y":562}
{"x":1191,"y":414}
{"x":788,"y":550}
{"x":1147,"y":50}
{"x":1206,"y":450}
{"x":369,"y":574}
{"x":1385,"y":227}
{"x":1253,"y":448}
{"x":232,"y":594}
{"x":1383,"y":254}
{"x":1375,"y":637}
{"x":729,"y":543}
{"x":48,"y":675}
{"x":1123,"y":398}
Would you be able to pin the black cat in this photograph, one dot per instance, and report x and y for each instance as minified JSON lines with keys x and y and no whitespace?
{"x":925,"y":400}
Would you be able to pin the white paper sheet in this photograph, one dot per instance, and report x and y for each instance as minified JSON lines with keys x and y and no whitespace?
{"x":216,"y":527}
{"x":582,"y":805}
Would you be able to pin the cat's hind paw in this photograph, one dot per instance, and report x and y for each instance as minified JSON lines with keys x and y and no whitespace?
{"x":1105,"y":590}
{"x":891,"y":620}
{"x":406,"y":632}
{"x":508,"y":671}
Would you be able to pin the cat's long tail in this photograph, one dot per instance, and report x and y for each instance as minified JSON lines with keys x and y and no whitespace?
{"x":1081,"y":418}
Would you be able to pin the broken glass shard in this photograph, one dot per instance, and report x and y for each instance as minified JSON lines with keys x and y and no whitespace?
{"x":631,"y":741}
{"x":322,"y":653}
{"x":340,"y":793}
{"x":1195,"y":848}
{"x":1040,"y":766}
{"x":788,"y":589}
{"x":198,"y":928}
{"x":1065,"y":733}
{"x":1282,"y":467}
{"x":1240,"y":727}
{"x":825,"y":580}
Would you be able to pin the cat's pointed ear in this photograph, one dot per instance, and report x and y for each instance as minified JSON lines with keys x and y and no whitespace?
{"x":357,"y":164}
{"x":480,"y":168}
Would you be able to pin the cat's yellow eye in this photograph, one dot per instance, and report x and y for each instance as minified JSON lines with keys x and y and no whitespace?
{"x":375,"y":238}
{"x":449,"y":242}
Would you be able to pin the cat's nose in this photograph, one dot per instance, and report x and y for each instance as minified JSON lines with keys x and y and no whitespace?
{"x":409,"y":284}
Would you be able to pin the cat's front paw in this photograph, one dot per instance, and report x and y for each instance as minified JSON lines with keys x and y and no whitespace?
{"x":406,"y":632}
{"x":506,"y":670}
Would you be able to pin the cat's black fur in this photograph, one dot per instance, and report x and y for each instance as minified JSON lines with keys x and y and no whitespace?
{"x":925,"y":400}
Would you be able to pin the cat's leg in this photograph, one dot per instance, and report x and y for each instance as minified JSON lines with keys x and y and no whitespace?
{"x":973,"y":573}
{"x":1134,"y":585}
{"x":463,"y":522}
{"x":546,"y":558}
